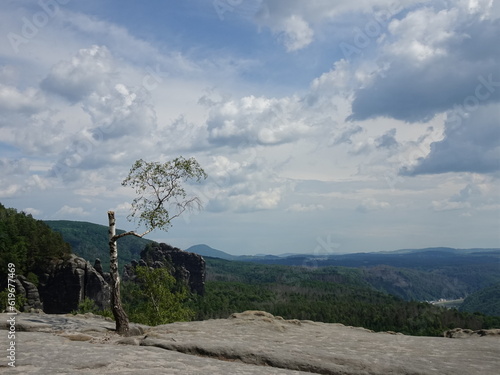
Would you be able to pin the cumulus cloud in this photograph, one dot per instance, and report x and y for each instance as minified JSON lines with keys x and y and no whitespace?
{"x":117,"y":114}
{"x":387,"y":140}
{"x":13,"y":166}
{"x":242,"y":186}
{"x":471,"y":144}
{"x":71,"y":212}
{"x":296,"y":33}
{"x":480,"y":193}
{"x":294,"y":21}
{"x":86,"y":73}
{"x":26,"y":102}
{"x":432,"y":60}
{"x":33,"y":211}
{"x":256,"y":120}
{"x":371,"y":204}
{"x":299,"y":207}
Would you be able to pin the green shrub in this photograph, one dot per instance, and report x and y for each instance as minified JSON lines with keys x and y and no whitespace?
{"x":157,"y":298}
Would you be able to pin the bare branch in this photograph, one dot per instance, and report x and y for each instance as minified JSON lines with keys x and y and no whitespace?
{"x":130,"y":233}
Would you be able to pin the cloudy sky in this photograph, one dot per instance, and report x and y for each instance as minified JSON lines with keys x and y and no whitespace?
{"x":324,"y":126}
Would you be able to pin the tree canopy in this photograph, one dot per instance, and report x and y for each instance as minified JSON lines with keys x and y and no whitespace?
{"x":161,"y":194}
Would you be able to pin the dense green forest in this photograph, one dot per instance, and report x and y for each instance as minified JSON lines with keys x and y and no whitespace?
{"x":329,"y":294}
{"x":486,"y":301}
{"x":28,"y":243}
{"x":428,"y":274}
{"x":90,"y":241}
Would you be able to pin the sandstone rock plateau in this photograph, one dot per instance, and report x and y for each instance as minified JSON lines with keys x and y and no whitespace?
{"x":253,"y":342}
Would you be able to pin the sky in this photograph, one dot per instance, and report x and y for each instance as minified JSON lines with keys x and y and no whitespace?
{"x":324,"y":126}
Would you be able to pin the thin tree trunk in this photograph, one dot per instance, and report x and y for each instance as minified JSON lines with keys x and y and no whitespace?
{"x":121,"y":317}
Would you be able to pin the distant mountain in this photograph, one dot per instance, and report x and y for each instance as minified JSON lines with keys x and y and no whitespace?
{"x":424,"y":259}
{"x":441,"y":249}
{"x":207,"y":251}
{"x":412,"y":274}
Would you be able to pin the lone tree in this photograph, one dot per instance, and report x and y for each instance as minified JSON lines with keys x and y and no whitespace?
{"x":161,"y":198}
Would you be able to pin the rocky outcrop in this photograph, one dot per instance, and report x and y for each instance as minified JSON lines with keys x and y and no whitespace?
{"x":248,"y":343}
{"x":184,"y":266}
{"x":461,"y":333}
{"x":68,"y":282}
{"x":29,"y":292}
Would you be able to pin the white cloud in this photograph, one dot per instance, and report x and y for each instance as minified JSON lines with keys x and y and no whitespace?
{"x":299,"y":207}
{"x":296,"y":33}
{"x":87,"y":96}
{"x":257,"y":120}
{"x":32,"y":211}
{"x":439,"y":55}
{"x":371,"y":204}
{"x":87,"y":72}
{"x":14,"y":100}
{"x":294,"y":21}
{"x":471,"y":143}
{"x":71,"y":212}
{"x":9,"y":190}
{"x":242,"y":186}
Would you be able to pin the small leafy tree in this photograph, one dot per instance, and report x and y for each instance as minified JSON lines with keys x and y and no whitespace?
{"x":161,"y":197}
{"x":161,"y":296}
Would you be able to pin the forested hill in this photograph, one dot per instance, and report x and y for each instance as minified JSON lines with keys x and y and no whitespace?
{"x":486,"y":301}
{"x":90,"y":241}
{"x":27,"y":243}
{"x":423,"y":275}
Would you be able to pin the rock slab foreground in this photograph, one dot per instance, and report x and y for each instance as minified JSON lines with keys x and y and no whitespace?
{"x":253,"y":342}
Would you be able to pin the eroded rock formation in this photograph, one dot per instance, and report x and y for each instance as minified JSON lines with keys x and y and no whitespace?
{"x":68,"y":282}
{"x":184,"y":266}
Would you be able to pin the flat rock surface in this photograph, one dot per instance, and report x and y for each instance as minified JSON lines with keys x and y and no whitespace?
{"x":247,"y":343}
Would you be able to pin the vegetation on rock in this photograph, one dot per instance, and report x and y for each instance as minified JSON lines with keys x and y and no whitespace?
{"x":156,"y":298}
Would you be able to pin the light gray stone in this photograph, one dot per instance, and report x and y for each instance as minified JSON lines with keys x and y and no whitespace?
{"x":248,"y":343}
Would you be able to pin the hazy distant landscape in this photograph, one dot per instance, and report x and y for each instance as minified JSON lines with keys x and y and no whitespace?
{"x":382,"y":291}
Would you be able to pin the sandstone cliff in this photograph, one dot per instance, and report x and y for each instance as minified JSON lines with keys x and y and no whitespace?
{"x":67,"y":282}
{"x":186,"y":267}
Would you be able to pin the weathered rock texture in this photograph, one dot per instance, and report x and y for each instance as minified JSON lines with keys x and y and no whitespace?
{"x":184,"y":266}
{"x":29,"y":291}
{"x":68,"y":282}
{"x":253,"y":342}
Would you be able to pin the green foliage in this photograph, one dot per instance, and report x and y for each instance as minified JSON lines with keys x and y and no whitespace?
{"x":32,"y":278}
{"x":159,"y":184}
{"x":20,"y":301}
{"x":28,"y":243}
{"x":486,"y":301}
{"x":330,"y":294}
{"x":88,"y":306}
{"x":90,"y":241}
{"x":156,"y":298}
